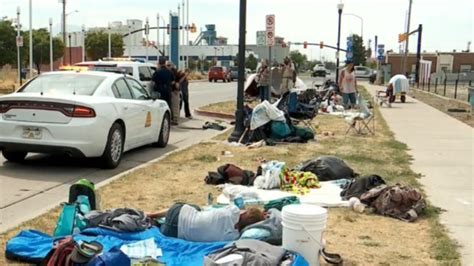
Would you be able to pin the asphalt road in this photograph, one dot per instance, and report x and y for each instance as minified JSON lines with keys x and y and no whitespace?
{"x":27,"y":190}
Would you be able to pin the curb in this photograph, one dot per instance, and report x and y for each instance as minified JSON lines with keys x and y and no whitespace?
{"x":197,"y":80}
{"x":214,"y":114}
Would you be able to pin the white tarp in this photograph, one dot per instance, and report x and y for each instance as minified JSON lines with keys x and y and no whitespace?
{"x":326,"y":196}
{"x":400,"y":83}
{"x":275,"y":82}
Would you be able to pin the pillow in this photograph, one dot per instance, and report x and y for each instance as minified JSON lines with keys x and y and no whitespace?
{"x":255,"y":233}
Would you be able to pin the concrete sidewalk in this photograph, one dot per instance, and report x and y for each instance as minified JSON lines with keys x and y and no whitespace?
{"x":442,"y":149}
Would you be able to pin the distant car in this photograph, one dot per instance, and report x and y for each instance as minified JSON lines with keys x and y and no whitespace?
{"x":234,"y":73}
{"x":363,"y":72}
{"x":319,"y":71}
{"x":219,"y":73}
{"x":138,"y":70}
{"x":81,"y":114}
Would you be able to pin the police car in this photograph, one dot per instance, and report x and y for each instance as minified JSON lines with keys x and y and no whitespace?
{"x":81,"y":114}
{"x":138,"y":69}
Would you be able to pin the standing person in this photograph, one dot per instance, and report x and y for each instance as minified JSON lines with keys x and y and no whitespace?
{"x":175,"y":97}
{"x":348,"y":85}
{"x":184,"y":87}
{"x":287,"y":73}
{"x":162,"y":79}
{"x":263,"y":80}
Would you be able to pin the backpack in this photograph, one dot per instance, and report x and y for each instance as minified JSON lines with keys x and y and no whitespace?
{"x":61,"y":253}
{"x":86,"y":188}
{"x":71,"y":220}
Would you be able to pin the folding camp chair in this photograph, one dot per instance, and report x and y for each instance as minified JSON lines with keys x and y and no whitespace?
{"x":361,"y":121}
{"x":303,"y":110}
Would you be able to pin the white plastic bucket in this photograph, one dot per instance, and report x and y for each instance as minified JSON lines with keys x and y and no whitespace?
{"x":303,"y":226}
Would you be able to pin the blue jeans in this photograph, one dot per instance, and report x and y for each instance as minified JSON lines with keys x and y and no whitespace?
{"x":263,"y":92}
{"x":349,"y":99}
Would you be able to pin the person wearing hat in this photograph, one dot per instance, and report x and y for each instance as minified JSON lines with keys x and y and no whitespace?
{"x":348,"y":85}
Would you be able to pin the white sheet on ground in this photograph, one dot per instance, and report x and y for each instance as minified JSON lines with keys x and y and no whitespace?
{"x":326,"y":196}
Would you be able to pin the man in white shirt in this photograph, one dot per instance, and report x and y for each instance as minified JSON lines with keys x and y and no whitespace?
{"x":190,"y":223}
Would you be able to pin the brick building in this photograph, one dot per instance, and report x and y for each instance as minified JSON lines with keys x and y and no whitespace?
{"x":453,"y":62}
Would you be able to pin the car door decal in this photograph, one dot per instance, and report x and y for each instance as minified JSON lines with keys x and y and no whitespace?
{"x":148,"y":120}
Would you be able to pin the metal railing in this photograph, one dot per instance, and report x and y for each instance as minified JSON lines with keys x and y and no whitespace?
{"x":451,"y":85}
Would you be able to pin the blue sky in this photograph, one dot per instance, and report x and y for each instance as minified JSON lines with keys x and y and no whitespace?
{"x":447,"y":25}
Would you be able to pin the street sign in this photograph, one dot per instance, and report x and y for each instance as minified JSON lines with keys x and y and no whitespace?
{"x":270,"y":30}
{"x":380,"y":49}
{"x":19,"y":41}
{"x":381,"y":58}
{"x":349,"y":53}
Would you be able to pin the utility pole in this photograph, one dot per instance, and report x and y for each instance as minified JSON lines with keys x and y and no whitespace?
{"x":187,"y":22}
{"x":405,"y":60}
{"x":147,"y":32}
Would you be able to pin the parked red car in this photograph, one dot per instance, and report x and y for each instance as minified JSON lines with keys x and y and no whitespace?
{"x":219,"y":73}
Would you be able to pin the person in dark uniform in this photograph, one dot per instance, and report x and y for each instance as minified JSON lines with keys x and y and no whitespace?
{"x":163,"y":79}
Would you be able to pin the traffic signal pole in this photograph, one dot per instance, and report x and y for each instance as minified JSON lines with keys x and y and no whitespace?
{"x":418,"y":54}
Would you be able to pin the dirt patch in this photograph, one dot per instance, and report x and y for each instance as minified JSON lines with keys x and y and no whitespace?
{"x":362,"y":239}
{"x":443,"y":104}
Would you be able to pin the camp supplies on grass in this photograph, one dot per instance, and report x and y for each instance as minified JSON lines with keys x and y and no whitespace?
{"x":359,"y":186}
{"x":303,"y":227}
{"x":327,"y":168}
{"x":280,"y":203}
{"x":71,"y":220}
{"x":86,"y":188}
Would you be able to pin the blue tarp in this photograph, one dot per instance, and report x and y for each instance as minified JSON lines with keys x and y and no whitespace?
{"x":36,"y":245}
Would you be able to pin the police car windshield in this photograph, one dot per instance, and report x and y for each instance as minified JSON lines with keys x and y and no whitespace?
{"x":64,"y":84}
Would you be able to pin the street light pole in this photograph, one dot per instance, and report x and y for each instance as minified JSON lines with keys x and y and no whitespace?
{"x":109,"y":54}
{"x":164,"y":36}
{"x":340,"y":6}
{"x":157,"y":38}
{"x":17,"y":45}
{"x":239,"y":113}
{"x":51,"y":44}
{"x":129,"y":42}
{"x":31,"y":39}
{"x":147,"y":30}
{"x":361,"y":22}
{"x":70,"y":49}
{"x":83,"y":43}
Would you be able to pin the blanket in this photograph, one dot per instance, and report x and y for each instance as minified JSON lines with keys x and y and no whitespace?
{"x":326,"y":196}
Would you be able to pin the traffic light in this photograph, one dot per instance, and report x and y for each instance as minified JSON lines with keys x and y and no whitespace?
{"x":305,"y":45}
{"x":402,"y":37}
{"x":321,"y":45}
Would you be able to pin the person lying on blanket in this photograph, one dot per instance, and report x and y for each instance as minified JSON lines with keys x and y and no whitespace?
{"x":188,"y":222}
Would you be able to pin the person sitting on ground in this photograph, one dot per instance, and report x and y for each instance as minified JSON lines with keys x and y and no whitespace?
{"x":188,"y":222}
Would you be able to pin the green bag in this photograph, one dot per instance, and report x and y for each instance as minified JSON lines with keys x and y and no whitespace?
{"x":280,"y":203}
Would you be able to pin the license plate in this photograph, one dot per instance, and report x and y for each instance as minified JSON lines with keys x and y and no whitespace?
{"x":31,"y":133}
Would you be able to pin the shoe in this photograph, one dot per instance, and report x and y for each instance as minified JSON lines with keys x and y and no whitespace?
{"x":174,"y":123}
{"x":189,"y":117}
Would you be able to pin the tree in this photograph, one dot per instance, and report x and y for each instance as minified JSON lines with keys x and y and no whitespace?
{"x":298,"y":59}
{"x":7,"y":43}
{"x":41,"y":47}
{"x":97,"y":45}
{"x":251,"y":62}
{"x":360,"y":54}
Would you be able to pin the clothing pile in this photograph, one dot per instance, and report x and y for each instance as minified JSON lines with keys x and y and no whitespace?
{"x":121,"y":219}
{"x":401,"y":202}
{"x":230,"y":173}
